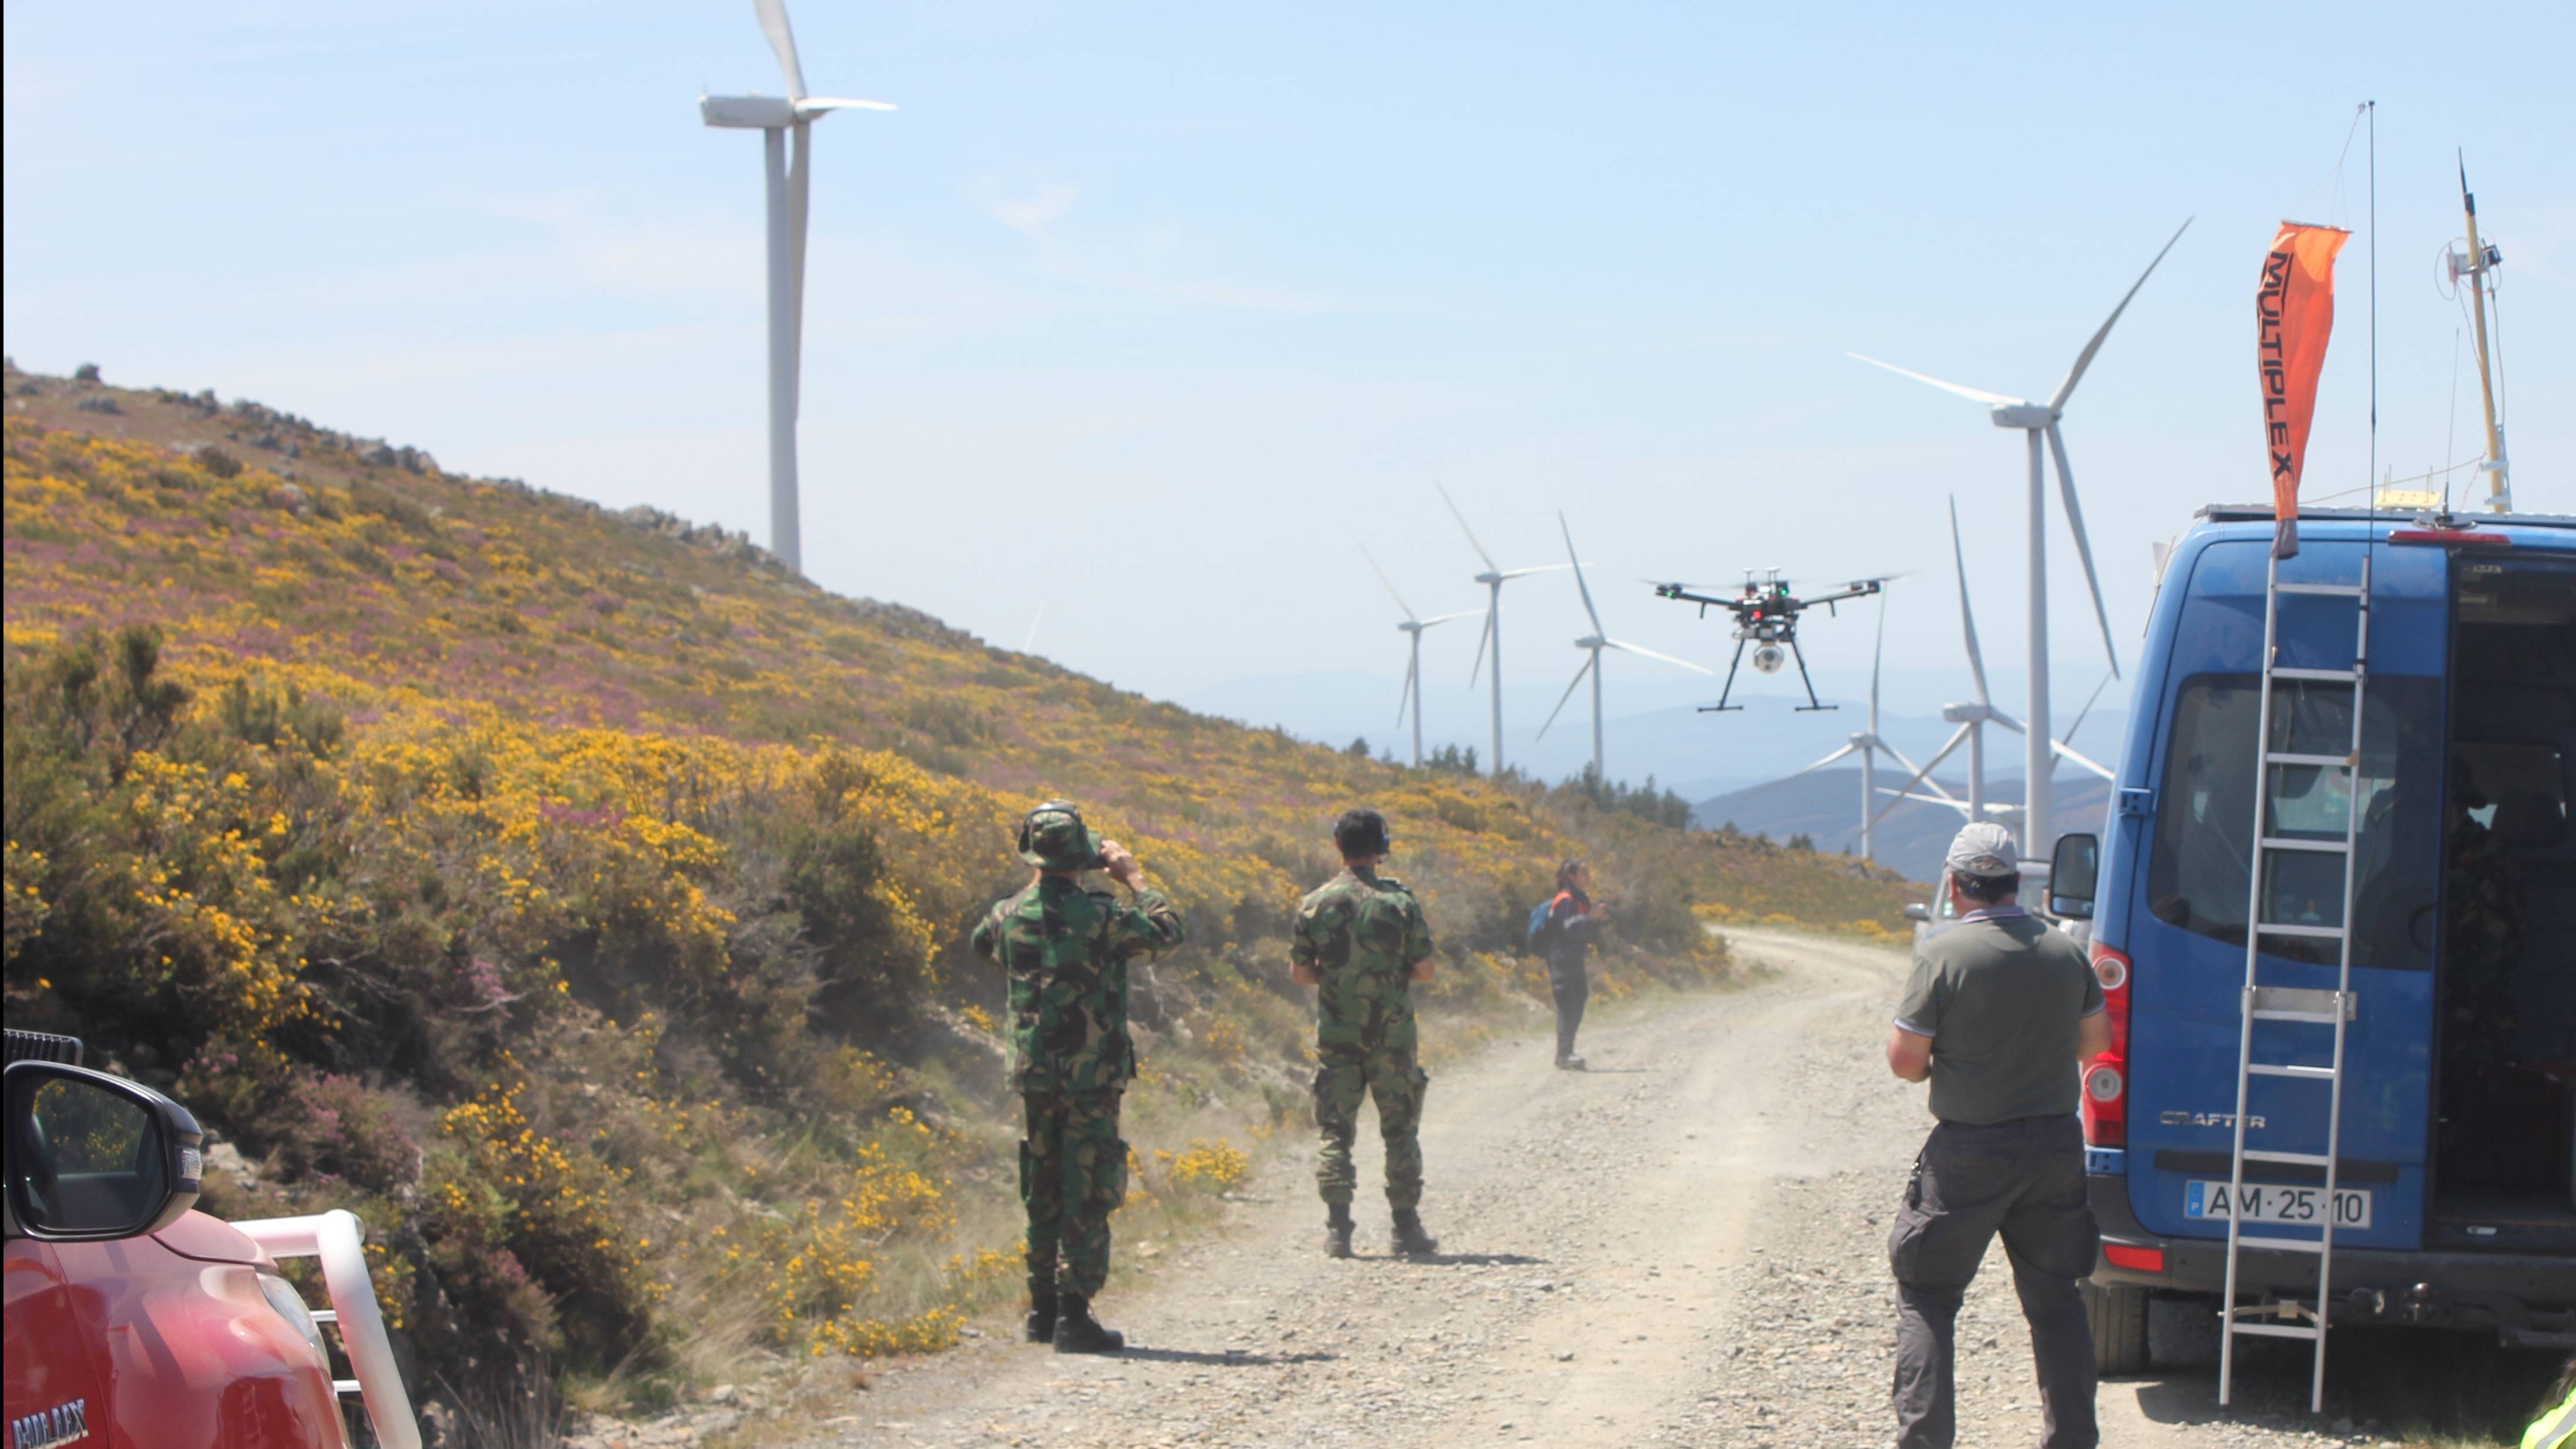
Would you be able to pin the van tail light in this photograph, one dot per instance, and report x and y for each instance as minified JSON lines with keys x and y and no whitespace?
{"x":2106,"y":1077}
{"x":2136,"y":1260}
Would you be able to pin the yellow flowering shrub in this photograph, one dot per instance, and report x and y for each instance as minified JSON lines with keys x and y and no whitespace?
{"x":586,"y":897}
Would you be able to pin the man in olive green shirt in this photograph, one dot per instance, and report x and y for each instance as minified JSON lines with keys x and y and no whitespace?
{"x":1996,"y":1015}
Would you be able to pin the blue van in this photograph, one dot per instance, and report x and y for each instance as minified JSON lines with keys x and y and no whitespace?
{"x":2456,"y":1182}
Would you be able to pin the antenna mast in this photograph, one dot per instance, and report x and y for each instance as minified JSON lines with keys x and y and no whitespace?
{"x":2475,"y":266}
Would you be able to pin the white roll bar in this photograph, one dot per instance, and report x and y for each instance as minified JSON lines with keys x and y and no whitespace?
{"x":337,"y":1238}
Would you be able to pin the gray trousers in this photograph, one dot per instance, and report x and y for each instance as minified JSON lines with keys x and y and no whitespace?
{"x":1571,"y":985}
{"x":2025,"y":1180}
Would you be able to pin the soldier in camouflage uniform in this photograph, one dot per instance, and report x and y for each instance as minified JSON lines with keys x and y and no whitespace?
{"x":1360,"y":938}
{"x":1067,"y":950}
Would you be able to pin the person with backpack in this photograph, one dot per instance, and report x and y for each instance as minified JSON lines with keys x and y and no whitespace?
{"x":1561,"y":930}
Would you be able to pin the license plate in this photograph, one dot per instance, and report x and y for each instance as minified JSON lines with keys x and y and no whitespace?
{"x":2271,"y":1202}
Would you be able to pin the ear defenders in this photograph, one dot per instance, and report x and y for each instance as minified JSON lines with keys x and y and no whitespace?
{"x":1028,"y":822}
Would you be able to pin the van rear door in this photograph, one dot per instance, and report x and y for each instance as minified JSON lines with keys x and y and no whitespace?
{"x":2187,"y":911}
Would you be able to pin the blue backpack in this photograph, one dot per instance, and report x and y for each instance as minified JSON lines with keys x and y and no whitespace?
{"x":1544,"y":927}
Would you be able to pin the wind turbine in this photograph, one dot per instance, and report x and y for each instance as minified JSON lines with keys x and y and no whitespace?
{"x":787,"y":190}
{"x":1413,"y":626}
{"x":1493,"y":578}
{"x":1594,"y":642}
{"x":2038,"y":422}
{"x":1869,"y":746}
{"x":1973,"y":718}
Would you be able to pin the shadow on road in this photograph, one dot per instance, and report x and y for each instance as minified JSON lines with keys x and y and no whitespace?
{"x":1230,"y":1358}
{"x":1455,"y":1260}
{"x":2414,"y":1382}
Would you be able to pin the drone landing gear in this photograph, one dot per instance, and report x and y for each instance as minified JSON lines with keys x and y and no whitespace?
{"x":1813,"y":705}
{"x":1722,"y":707}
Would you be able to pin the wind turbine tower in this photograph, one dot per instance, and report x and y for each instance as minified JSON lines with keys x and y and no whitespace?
{"x":789,"y":179}
{"x":1493,"y":578}
{"x":2038,"y":423}
{"x":1593,"y":643}
{"x":1413,"y":625}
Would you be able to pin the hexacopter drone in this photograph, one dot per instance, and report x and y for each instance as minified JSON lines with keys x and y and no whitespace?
{"x":1766,"y":617}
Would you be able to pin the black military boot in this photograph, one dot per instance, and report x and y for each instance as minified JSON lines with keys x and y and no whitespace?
{"x":1076,"y":1331}
{"x":1410,"y":1237}
{"x":1337,"y":1230}
{"x":1042,"y":1314}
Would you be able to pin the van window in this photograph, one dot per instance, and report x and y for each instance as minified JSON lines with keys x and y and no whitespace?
{"x":2524,"y":788}
{"x":2197,"y":871}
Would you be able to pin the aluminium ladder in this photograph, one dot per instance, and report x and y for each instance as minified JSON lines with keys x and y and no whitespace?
{"x":2309,"y":1007}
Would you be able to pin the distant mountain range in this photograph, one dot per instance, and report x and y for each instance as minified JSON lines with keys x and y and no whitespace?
{"x":1665,"y":735}
{"x":1912,"y":838}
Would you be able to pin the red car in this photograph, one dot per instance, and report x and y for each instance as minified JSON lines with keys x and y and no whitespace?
{"x":134,"y":1322}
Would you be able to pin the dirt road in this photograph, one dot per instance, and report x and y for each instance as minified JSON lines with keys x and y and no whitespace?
{"x":1681,"y":1246}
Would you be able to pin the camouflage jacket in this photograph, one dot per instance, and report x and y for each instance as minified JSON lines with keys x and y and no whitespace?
{"x":1067,"y":950}
{"x":1362,"y":934}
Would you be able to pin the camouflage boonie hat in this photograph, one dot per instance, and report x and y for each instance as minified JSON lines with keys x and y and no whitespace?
{"x":1053,"y":837}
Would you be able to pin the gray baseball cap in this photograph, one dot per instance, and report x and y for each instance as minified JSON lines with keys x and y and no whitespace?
{"x":1984,"y":850}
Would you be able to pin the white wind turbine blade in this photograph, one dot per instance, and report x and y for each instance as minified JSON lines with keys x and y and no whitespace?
{"x":1995,"y":398}
{"x":1589,"y":661}
{"x":2089,"y":701}
{"x":1925,"y":773}
{"x":1967,"y":616}
{"x":1900,"y":796}
{"x":1958,"y":737}
{"x":1483,"y":636}
{"x":1445,"y":618}
{"x":1525,"y":573}
{"x":2083,"y":548}
{"x":2084,"y":359}
{"x":817,"y":105}
{"x":1409,"y":616}
{"x":1410,"y":694}
{"x":773,"y":23}
{"x":1626,"y":647}
{"x":1579,"y":585}
{"x":1490,"y":565}
{"x":1827,"y":760}
{"x":2068,"y":754}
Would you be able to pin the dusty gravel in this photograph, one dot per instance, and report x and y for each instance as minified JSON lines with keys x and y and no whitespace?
{"x":1681,"y":1246}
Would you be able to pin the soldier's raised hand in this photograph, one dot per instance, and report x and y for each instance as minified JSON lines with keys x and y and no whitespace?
{"x":1121,"y":865}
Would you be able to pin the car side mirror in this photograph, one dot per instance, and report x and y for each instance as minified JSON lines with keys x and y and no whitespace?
{"x":1917,"y":911}
{"x":2073,"y":871}
{"x":92,"y":1158}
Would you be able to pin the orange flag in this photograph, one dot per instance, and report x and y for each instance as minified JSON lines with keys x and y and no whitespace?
{"x":2293,"y":316}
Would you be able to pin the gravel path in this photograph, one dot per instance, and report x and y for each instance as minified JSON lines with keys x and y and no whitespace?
{"x":1681,"y":1247}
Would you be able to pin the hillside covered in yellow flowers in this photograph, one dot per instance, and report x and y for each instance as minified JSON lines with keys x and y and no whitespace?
{"x":582,"y":898}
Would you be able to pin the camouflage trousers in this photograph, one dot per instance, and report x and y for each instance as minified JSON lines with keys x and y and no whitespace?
{"x":1073,"y":1175}
{"x":1398,"y":1085}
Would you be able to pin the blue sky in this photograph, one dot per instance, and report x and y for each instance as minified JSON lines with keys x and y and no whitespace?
{"x":1149,"y":314}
